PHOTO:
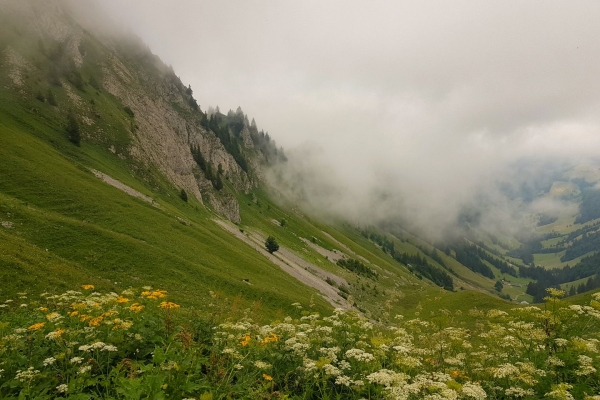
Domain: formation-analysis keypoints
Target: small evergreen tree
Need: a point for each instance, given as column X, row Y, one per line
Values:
column 218, row 183
column 128, row 111
column 40, row 96
column 572, row 291
column 183, row 195
column 271, row 245
column 72, row 129
column 51, row 99
column 94, row 83
column 499, row 286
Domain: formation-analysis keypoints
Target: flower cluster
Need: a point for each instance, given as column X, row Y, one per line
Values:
column 132, row 345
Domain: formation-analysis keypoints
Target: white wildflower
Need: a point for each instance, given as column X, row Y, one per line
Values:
column 344, row 365
column 504, row 370
column 359, row 355
column 585, row 367
column 560, row 342
column 331, row 370
column 262, row 365
column 386, row 377
column 84, row 369
column 109, row 347
column 63, row 388
column 309, row 365
column 343, row 380
column 555, row 361
column 473, row 390
column 49, row 361
column 496, row 313
column 85, row 347
column 518, row 392
column 27, row 375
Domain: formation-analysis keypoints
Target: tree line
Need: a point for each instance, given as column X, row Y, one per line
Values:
column 415, row 263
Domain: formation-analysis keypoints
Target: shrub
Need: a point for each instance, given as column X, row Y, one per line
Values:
column 72, row 129
column 183, row 195
column 271, row 245
column 51, row 99
column 128, row 111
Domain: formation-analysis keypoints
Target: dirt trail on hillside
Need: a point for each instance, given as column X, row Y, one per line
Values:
column 332, row 256
column 290, row 257
column 343, row 246
column 121, row 186
column 293, row 265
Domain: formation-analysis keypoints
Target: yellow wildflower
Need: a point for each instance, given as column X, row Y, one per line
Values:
column 245, row 340
column 87, row 287
column 136, row 307
column 78, row 306
column 96, row 321
column 271, row 338
column 53, row 316
column 122, row 299
column 167, row 305
column 268, row 377
column 37, row 326
column 154, row 294
column 43, row 308
column 55, row 334
column 120, row 324
column 109, row 313
column 73, row 313
column 84, row 317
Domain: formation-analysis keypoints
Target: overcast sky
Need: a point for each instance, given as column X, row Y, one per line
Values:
column 432, row 97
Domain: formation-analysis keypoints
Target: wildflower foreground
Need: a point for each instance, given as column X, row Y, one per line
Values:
column 85, row 345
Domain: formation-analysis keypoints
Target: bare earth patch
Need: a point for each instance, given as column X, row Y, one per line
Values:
column 331, row 255
column 6, row 224
column 343, row 246
column 287, row 261
column 121, row 186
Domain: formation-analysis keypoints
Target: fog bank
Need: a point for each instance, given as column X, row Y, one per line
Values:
column 395, row 108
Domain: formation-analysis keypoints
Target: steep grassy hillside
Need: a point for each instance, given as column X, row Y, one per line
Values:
column 56, row 211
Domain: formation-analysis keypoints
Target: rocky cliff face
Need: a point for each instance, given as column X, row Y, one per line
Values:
column 165, row 120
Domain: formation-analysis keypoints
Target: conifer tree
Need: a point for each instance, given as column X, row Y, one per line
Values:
column 73, row 133
column 271, row 245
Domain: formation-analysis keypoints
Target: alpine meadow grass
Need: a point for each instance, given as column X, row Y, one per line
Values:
column 137, row 344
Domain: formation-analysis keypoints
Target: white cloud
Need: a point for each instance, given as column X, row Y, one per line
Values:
column 430, row 101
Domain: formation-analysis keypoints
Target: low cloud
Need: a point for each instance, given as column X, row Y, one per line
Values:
column 396, row 108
